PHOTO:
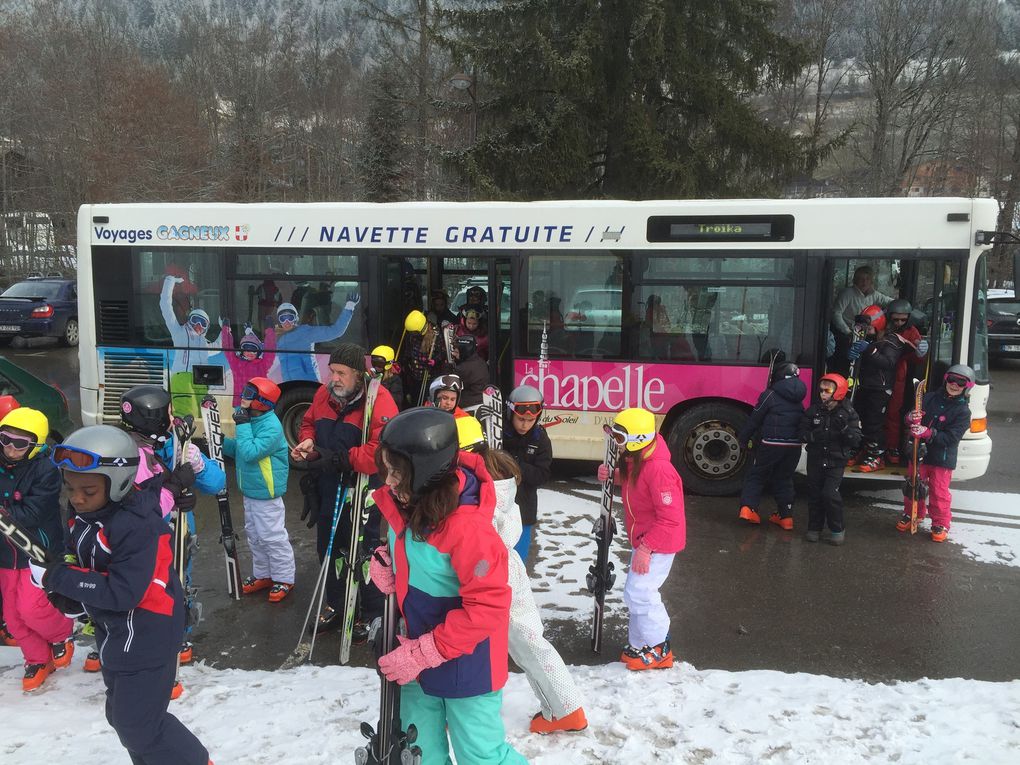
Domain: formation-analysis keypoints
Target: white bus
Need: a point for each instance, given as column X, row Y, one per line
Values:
column 677, row 306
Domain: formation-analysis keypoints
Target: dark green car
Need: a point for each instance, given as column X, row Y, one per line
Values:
column 32, row 392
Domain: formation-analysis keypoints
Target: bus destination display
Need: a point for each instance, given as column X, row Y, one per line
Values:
column 720, row 228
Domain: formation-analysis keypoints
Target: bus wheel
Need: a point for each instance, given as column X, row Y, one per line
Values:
column 291, row 408
column 705, row 451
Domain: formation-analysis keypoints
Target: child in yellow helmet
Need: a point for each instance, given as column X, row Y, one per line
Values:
column 653, row 503
column 30, row 494
column 383, row 357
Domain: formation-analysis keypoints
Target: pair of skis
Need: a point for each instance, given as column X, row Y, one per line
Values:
column 601, row 575
column 228, row 538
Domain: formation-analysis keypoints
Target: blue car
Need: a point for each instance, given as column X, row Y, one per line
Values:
column 40, row 307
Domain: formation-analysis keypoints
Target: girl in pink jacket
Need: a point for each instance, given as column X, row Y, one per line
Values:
column 653, row 505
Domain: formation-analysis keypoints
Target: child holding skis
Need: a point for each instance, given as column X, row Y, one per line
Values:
column 30, row 487
column 526, row 441
column 943, row 420
column 122, row 577
column 453, row 663
column 774, row 425
column 543, row 666
column 832, row 432
column 260, row 451
column 653, row 497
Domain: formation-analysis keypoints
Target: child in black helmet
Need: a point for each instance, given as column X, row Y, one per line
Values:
column 943, row 420
column 526, row 441
column 119, row 571
column 773, row 428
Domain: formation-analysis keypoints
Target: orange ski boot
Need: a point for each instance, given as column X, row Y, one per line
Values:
column 176, row 691
column 750, row 515
column 903, row 524
column 62, row 653
column 783, row 523
column 6, row 637
column 939, row 533
column 574, row 721
column 92, row 663
column 279, row 591
column 187, row 653
column 252, row 585
column 35, row 675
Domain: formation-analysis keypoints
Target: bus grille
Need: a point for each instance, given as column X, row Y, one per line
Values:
column 113, row 321
column 123, row 369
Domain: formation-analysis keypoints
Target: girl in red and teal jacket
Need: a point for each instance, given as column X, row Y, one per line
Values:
column 653, row 504
column 448, row 568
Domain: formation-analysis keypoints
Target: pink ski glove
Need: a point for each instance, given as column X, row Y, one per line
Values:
column 194, row 456
column 602, row 473
column 922, row 432
column 914, row 416
column 641, row 560
column 408, row 660
column 380, row 572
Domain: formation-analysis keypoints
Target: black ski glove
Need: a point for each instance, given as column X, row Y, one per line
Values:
column 309, row 484
column 181, row 477
column 241, row 416
column 330, row 461
column 65, row 605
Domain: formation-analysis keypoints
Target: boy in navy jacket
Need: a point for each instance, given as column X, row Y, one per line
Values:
column 118, row 570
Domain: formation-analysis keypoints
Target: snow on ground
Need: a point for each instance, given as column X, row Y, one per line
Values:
column 311, row 716
column 985, row 523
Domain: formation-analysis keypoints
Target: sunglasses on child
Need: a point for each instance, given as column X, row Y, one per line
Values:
column 15, row 441
column 526, row 409
column 82, row 460
column 957, row 380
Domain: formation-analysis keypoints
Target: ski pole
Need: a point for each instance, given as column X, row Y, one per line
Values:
column 341, row 496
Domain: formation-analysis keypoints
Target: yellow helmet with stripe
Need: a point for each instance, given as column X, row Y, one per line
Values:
column 382, row 357
column 633, row 428
column 29, row 421
column 469, row 433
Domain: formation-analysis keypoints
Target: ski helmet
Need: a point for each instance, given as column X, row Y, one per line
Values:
column 101, row 449
column 469, row 433
column 963, row 372
column 899, row 305
column 633, row 428
column 262, row 392
column 382, row 358
column 145, row 409
column 466, row 346
column 872, row 316
column 472, row 312
column 427, row 438
column 842, row 386
column 785, row 371
column 30, row 421
column 445, row 382
column 526, row 401
column 7, row 403
column 476, row 296
column 286, row 313
column 415, row 322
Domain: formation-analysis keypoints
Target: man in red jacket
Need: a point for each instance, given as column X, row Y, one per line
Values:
column 331, row 444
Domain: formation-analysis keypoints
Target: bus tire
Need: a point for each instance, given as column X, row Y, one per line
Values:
column 291, row 407
column 705, row 451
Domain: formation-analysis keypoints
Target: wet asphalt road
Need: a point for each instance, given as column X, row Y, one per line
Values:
column 882, row 607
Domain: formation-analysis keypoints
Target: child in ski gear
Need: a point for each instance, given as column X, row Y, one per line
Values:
column 531, row 651
column 120, row 572
column 7, row 403
column 444, row 393
column 449, row 572
column 943, row 420
column 260, row 451
column 330, row 442
column 421, row 358
column 472, row 322
column 251, row 357
column 528, row 443
column 30, row 488
column 832, row 432
column 382, row 365
column 472, row 370
column 774, row 429
column 653, row 501
column 913, row 351
column 879, row 353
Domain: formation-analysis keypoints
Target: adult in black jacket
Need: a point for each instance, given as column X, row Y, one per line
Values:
column 878, row 361
column 472, row 371
column 774, row 430
column 528, row 443
column 123, row 577
column 832, row 431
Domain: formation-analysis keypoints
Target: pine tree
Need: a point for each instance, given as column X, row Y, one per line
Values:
column 382, row 152
column 625, row 98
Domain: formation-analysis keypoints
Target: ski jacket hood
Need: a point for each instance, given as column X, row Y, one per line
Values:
column 776, row 417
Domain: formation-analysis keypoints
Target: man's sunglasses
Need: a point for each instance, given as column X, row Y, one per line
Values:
column 82, row 460
column 526, row 409
column 17, row 442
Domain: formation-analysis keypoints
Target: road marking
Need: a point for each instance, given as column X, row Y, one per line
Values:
column 964, row 516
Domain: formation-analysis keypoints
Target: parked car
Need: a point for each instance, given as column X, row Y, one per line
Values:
column 1003, row 327
column 40, row 307
column 594, row 306
column 30, row 391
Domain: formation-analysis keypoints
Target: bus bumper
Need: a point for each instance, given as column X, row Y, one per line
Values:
column 974, row 456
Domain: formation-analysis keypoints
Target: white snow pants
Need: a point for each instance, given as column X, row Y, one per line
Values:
column 272, row 557
column 545, row 670
column 649, row 622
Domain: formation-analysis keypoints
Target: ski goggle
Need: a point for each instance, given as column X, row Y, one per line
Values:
column 527, row 409
column 622, row 437
column 287, row 317
column 380, row 362
column 82, row 460
column 199, row 322
column 898, row 318
column 251, row 393
column 15, row 441
column 963, row 382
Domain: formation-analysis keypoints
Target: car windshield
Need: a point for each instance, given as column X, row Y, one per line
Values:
column 1010, row 307
column 42, row 290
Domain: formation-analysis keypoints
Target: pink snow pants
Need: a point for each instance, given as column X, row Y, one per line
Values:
column 939, row 497
column 30, row 617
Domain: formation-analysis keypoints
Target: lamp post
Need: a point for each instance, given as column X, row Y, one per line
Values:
column 469, row 83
